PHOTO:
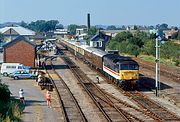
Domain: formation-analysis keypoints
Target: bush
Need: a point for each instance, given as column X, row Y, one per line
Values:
column 177, row 62
column 4, row 92
column 10, row 109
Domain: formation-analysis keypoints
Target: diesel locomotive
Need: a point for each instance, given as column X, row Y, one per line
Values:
column 123, row 70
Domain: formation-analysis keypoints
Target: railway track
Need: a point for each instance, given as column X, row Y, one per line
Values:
column 172, row 73
column 70, row 107
column 150, row 107
column 108, row 102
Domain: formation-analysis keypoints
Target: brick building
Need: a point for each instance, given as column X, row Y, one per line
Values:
column 20, row 50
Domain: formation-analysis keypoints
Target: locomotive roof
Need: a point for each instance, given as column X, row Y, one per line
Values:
column 117, row 58
column 93, row 50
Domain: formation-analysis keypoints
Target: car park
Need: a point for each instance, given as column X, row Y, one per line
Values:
column 22, row 75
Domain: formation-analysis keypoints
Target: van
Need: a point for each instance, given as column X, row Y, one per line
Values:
column 9, row 68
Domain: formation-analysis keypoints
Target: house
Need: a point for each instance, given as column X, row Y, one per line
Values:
column 19, row 50
column 12, row 32
column 99, row 41
column 169, row 33
column 61, row 33
column 81, row 33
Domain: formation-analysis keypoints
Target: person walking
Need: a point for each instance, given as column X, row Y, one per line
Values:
column 48, row 99
column 21, row 96
column 39, row 79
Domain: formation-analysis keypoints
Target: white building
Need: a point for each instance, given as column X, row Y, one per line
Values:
column 81, row 33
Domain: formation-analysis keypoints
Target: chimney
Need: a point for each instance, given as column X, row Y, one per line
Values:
column 88, row 21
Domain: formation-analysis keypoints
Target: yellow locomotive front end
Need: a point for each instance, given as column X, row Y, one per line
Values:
column 129, row 72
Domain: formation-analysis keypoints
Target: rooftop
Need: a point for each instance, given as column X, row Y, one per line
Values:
column 20, row 30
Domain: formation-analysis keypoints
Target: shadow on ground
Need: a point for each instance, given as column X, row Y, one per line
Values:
column 61, row 67
column 148, row 84
column 35, row 102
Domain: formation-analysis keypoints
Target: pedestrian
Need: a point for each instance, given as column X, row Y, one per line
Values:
column 21, row 96
column 39, row 79
column 48, row 99
column 97, row 77
column 36, row 74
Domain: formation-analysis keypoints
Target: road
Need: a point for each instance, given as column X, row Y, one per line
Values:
column 36, row 109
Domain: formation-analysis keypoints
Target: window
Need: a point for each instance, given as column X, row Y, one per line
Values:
column 11, row 67
column 99, row 44
column 20, row 67
column 129, row 67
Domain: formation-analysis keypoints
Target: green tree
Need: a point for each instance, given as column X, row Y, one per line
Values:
column 72, row 28
column 111, row 27
column 133, row 49
column 23, row 24
column 43, row 26
column 170, row 50
column 92, row 31
column 123, row 36
column 59, row 26
column 149, row 47
column 135, row 27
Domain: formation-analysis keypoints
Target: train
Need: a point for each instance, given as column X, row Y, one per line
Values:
column 122, row 70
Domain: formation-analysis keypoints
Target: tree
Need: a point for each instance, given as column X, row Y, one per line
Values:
column 111, row 27
column 72, row 28
column 23, row 24
column 135, row 27
column 92, row 31
column 123, row 36
column 59, row 26
column 149, row 47
column 163, row 26
column 43, row 26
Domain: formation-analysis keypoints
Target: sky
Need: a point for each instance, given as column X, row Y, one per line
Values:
column 103, row 12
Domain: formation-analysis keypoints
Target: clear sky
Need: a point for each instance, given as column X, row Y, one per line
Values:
column 104, row 12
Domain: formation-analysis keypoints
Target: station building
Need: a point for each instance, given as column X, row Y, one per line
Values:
column 20, row 50
column 13, row 31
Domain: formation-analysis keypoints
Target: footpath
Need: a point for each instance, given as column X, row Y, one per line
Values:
column 36, row 109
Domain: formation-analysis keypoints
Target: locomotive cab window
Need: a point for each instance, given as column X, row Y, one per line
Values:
column 129, row 67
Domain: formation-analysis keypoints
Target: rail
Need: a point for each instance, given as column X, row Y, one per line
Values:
column 70, row 107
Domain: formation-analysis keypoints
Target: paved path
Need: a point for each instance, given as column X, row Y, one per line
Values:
column 36, row 109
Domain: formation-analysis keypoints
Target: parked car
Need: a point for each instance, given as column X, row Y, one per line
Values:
column 9, row 68
column 22, row 75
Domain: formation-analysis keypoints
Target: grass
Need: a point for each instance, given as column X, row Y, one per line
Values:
column 161, row 60
column 151, row 58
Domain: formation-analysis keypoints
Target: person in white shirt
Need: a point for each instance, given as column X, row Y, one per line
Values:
column 21, row 96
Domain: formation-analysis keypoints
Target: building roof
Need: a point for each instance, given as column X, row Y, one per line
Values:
column 19, row 38
column 19, row 30
column 100, row 35
column 39, row 36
